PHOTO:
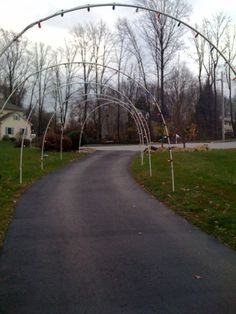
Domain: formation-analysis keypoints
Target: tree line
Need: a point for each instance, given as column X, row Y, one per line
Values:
column 140, row 61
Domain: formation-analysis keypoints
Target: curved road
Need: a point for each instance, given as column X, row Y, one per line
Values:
column 88, row 239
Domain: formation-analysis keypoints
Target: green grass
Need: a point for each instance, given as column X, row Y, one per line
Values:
column 10, row 189
column 205, row 188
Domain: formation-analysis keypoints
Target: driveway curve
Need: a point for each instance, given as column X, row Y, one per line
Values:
column 88, row 239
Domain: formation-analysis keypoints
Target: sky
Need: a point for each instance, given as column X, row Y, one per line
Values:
column 16, row 14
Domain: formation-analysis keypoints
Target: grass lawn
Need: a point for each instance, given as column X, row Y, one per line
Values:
column 10, row 189
column 205, row 188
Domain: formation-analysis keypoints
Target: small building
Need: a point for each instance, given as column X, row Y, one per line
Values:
column 13, row 122
column 228, row 128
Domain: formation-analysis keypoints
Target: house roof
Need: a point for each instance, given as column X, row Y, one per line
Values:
column 5, row 116
column 10, row 107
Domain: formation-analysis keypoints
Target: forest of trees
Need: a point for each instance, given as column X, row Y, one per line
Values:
column 134, row 61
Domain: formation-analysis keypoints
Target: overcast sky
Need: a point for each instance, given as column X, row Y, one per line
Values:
column 16, row 14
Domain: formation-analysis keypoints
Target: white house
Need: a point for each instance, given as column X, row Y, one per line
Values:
column 13, row 122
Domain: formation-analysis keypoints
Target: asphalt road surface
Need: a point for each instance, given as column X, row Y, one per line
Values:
column 88, row 239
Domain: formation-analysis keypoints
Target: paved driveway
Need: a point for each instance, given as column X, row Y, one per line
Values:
column 88, row 239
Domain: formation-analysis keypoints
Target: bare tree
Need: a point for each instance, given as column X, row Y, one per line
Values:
column 215, row 30
column 64, row 79
column 83, row 46
column 121, row 57
column 230, row 52
column 209, row 63
column 14, row 66
column 41, row 59
column 102, row 46
column 136, row 49
column 182, row 97
column 200, row 45
column 94, row 45
column 163, row 36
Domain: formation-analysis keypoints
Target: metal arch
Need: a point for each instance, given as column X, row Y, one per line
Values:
column 50, row 120
column 136, row 122
column 131, row 106
column 93, row 64
column 105, row 85
column 149, row 148
column 142, row 125
column 126, row 75
column 123, row 95
column 113, row 89
column 62, row 12
column 120, row 104
column 59, row 86
column 110, row 103
column 44, row 138
column 22, row 146
column 107, row 97
column 82, row 129
column 141, row 139
column 113, row 5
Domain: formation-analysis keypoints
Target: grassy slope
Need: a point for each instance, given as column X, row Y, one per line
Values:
column 205, row 188
column 10, row 188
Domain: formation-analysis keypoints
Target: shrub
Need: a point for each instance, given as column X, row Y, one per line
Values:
column 53, row 140
column 74, row 136
column 66, row 143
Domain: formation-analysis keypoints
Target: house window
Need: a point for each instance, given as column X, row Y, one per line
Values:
column 16, row 117
column 22, row 131
column 9, row 131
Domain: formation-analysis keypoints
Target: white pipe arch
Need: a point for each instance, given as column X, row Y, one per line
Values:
column 126, row 75
column 107, row 97
column 104, row 105
column 113, row 5
column 111, row 88
column 137, row 118
column 133, row 116
column 131, row 105
column 50, row 120
column 44, row 139
column 141, row 139
column 110, row 68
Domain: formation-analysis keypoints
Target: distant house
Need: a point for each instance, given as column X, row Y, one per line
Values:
column 228, row 125
column 13, row 122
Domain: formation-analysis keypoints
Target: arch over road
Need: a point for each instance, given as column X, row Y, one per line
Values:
column 141, row 124
column 113, row 5
column 136, row 120
column 116, row 71
column 139, row 116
